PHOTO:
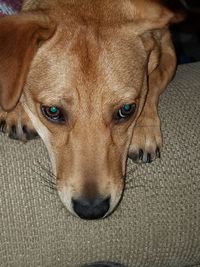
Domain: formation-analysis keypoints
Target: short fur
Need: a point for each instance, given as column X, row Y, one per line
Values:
column 90, row 57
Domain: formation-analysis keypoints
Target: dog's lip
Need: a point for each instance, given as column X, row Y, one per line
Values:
column 66, row 201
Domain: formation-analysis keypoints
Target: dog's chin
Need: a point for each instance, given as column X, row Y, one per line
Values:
column 66, row 197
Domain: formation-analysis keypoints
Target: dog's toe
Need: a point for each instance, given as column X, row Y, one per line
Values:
column 142, row 156
column 21, row 133
column 17, row 125
column 13, row 134
column 146, row 143
column 29, row 133
column 2, row 126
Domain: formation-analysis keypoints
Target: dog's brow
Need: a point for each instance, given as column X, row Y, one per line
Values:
column 125, row 92
column 49, row 96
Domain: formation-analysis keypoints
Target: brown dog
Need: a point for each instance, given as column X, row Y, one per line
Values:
column 87, row 75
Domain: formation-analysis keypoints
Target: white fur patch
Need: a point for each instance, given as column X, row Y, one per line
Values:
column 66, row 198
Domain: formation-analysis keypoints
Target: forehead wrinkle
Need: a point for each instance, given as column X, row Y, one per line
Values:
column 56, row 76
column 117, row 91
column 49, row 96
column 124, row 92
column 86, row 48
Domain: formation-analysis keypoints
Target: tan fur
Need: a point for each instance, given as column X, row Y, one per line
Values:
column 95, row 57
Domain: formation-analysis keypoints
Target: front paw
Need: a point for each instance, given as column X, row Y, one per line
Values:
column 17, row 125
column 146, row 144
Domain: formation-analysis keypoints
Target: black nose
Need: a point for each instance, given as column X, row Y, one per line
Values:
column 91, row 209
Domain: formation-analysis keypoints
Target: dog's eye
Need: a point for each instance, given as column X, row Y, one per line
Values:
column 53, row 114
column 125, row 112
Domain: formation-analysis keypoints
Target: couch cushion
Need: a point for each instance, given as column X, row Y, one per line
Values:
column 157, row 222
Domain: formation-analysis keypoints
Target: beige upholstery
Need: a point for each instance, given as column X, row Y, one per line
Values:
column 157, row 223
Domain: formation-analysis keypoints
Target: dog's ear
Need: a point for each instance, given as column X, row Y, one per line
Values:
column 153, row 14
column 20, row 36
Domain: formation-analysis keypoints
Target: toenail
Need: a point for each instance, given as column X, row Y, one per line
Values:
column 148, row 158
column 141, row 154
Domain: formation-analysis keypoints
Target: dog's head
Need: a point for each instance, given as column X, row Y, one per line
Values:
column 81, row 73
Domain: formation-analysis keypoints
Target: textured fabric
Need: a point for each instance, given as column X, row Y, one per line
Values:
column 157, row 223
column 9, row 7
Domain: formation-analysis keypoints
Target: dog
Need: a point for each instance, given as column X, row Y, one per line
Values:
column 86, row 75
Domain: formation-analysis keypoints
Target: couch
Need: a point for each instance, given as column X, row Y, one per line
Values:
column 157, row 223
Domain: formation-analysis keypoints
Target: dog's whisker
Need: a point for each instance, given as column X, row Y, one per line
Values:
column 50, row 187
column 45, row 179
column 40, row 164
column 48, row 171
column 47, row 186
column 43, row 167
column 53, row 186
column 48, row 191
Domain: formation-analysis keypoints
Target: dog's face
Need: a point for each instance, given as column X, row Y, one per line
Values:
column 84, row 101
column 84, row 91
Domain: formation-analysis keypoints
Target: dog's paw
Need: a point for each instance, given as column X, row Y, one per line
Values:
column 17, row 125
column 146, row 144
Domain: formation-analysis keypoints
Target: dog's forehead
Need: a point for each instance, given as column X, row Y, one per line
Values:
column 94, row 61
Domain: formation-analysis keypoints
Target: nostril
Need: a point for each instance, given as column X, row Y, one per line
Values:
column 91, row 209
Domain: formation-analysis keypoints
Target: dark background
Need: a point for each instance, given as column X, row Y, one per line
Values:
column 186, row 35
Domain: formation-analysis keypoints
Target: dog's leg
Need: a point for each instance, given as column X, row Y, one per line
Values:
column 147, row 139
column 17, row 124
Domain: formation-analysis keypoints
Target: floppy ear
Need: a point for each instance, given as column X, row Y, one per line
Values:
column 152, row 14
column 20, row 36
